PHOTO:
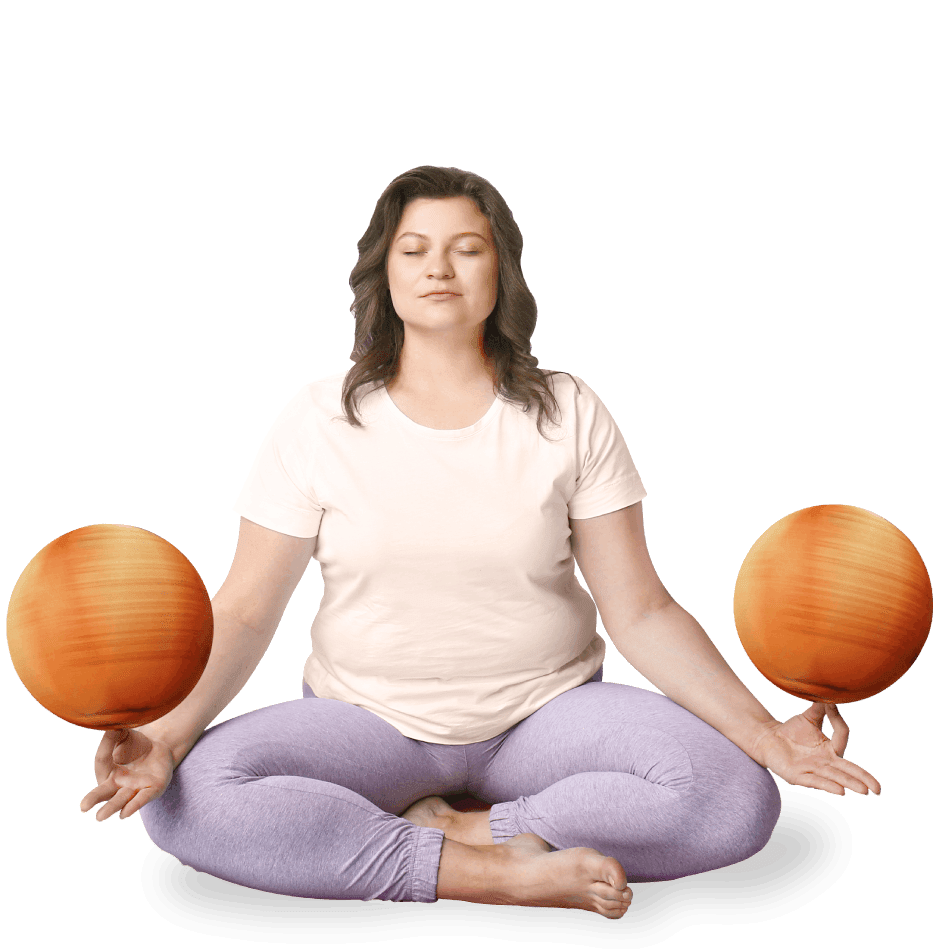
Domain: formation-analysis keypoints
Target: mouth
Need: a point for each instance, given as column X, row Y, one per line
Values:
column 441, row 296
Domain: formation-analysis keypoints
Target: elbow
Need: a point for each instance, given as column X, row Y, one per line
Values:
column 621, row 625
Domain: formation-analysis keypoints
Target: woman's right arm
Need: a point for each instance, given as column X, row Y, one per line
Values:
column 131, row 768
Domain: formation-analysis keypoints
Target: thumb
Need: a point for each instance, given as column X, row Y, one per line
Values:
column 815, row 714
column 840, row 730
column 119, row 754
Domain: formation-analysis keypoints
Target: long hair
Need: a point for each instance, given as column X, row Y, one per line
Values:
column 507, row 330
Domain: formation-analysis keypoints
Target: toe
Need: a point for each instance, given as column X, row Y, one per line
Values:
column 612, row 909
column 604, row 891
column 611, row 871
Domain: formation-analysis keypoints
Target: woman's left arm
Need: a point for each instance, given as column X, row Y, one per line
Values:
column 673, row 652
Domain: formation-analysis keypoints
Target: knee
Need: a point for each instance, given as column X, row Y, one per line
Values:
column 176, row 821
column 747, row 816
column 157, row 819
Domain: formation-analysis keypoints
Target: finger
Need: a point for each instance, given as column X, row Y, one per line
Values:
column 119, row 754
column 840, row 729
column 861, row 781
column 103, row 759
column 127, row 748
column 142, row 797
column 113, row 806
column 102, row 792
column 820, row 783
column 845, row 779
column 837, row 777
column 815, row 714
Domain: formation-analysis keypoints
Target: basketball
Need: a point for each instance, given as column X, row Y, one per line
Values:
column 833, row 603
column 109, row 626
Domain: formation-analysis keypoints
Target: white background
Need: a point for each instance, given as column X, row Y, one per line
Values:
column 726, row 210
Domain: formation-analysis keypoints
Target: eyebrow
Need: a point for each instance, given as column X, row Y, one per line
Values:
column 424, row 237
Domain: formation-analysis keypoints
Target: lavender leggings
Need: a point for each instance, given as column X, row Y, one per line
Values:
column 303, row 797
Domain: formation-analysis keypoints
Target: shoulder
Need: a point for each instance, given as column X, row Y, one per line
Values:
column 322, row 395
column 323, row 399
column 564, row 384
column 572, row 392
column 309, row 401
column 594, row 420
column 329, row 386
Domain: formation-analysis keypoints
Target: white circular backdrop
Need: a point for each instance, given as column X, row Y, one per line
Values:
column 715, row 244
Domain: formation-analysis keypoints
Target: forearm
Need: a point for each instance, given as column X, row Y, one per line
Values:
column 672, row 651
column 235, row 652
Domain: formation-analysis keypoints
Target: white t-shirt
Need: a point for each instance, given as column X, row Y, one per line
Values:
column 450, row 607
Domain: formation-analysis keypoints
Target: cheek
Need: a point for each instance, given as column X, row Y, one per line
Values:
column 397, row 278
column 492, row 282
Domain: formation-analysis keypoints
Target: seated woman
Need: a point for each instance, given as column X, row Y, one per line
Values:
column 454, row 651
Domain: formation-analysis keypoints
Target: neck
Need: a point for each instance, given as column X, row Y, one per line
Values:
column 444, row 374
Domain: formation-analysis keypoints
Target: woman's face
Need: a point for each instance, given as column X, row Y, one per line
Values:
column 443, row 244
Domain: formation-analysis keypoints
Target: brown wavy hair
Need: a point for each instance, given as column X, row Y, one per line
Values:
column 507, row 330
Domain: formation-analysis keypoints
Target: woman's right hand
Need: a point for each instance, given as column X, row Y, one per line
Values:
column 132, row 769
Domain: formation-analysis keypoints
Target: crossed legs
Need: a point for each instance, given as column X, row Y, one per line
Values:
column 613, row 783
column 626, row 772
column 634, row 775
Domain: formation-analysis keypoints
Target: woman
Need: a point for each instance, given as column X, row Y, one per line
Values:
column 454, row 651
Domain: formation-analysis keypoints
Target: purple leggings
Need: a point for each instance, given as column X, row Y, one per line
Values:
column 302, row 798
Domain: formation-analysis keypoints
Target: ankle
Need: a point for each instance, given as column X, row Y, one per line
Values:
column 471, row 827
column 474, row 873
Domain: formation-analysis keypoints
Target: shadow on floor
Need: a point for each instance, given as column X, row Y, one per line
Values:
column 810, row 844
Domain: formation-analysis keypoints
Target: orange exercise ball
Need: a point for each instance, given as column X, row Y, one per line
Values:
column 109, row 626
column 833, row 603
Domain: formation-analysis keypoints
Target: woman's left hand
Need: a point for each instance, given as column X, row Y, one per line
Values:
column 800, row 753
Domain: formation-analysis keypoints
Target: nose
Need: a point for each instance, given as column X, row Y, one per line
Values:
column 440, row 266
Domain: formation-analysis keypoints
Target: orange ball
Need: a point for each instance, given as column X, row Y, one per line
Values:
column 109, row 626
column 833, row 603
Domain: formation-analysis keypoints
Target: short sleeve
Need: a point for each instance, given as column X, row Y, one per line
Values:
column 606, row 477
column 279, row 491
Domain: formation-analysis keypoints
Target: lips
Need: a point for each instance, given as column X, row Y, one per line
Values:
column 442, row 293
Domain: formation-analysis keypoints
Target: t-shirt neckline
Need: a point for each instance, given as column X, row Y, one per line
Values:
column 443, row 434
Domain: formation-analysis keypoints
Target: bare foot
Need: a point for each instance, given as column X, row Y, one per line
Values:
column 468, row 827
column 524, row 871
column 578, row 878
